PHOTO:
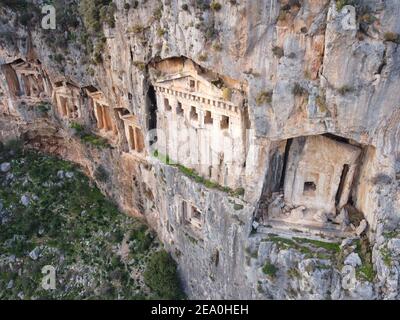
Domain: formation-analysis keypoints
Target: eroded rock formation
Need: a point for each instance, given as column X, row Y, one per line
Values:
column 254, row 138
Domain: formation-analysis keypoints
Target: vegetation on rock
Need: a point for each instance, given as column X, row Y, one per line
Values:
column 52, row 214
column 161, row 276
column 191, row 173
column 264, row 97
column 270, row 270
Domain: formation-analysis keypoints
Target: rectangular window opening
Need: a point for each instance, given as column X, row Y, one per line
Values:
column 224, row 122
column 193, row 114
column 207, row 118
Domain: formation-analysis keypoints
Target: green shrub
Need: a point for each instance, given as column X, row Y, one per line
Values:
column 298, row 90
column 345, row 90
column 142, row 238
column 366, row 270
column 278, row 52
column 157, row 13
column 44, row 107
column 135, row 4
column 15, row 145
column 264, row 97
column 320, row 101
column 227, row 94
column 161, row 32
column 79, row 128
column 216, row 6
column 191, row 173
column 96, row 12
column 137, row 28
column 94, row 140
column 217, row 46
column 98, row 50
column 107, row 15
column 140, row 65
column 270, row 270
column 341, row 3
column 203, row 57
column 209, row 30
column 101, row 174
column 161, row 276
column 59, row 58
column 282, row 15
column 392, row 37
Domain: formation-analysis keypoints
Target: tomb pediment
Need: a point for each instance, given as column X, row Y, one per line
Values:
column 191, row 82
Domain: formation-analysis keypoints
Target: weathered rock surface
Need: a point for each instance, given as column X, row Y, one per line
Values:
column 325, row 72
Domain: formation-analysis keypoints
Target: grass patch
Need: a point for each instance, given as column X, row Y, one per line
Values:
column 95, row 140
column 366, row 270
column 191, row 173
column 331, row 246
column 386, row 256
column 310, row 248
column 79, row 128
column 88, row 137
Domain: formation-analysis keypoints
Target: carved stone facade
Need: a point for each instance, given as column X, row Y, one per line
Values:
column 68, row 99
column 106, row 125
column 27, row 82
column 320, row 173
column 201, row 124
column 133, row 133
column 318, row 179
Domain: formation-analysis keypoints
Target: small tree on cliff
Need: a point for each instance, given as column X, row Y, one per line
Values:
column 162, row 277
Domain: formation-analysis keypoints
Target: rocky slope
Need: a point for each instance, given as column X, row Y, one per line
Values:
column 52, row 215
column 308, row 68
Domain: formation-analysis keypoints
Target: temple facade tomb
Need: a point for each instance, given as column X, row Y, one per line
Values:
column 316, row 185
column 133, row 133
column 68, row 99
column 200, row 125
column 27, row 81
column 106, row 125
column 320, row 173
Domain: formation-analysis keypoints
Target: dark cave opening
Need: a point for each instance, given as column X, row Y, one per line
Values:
column 285, row 159
column 152, row 114
column 345, row 171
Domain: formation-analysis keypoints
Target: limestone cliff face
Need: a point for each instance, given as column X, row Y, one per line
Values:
column 302, row 68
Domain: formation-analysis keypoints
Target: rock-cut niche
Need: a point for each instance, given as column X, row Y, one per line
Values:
column 310, row 184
